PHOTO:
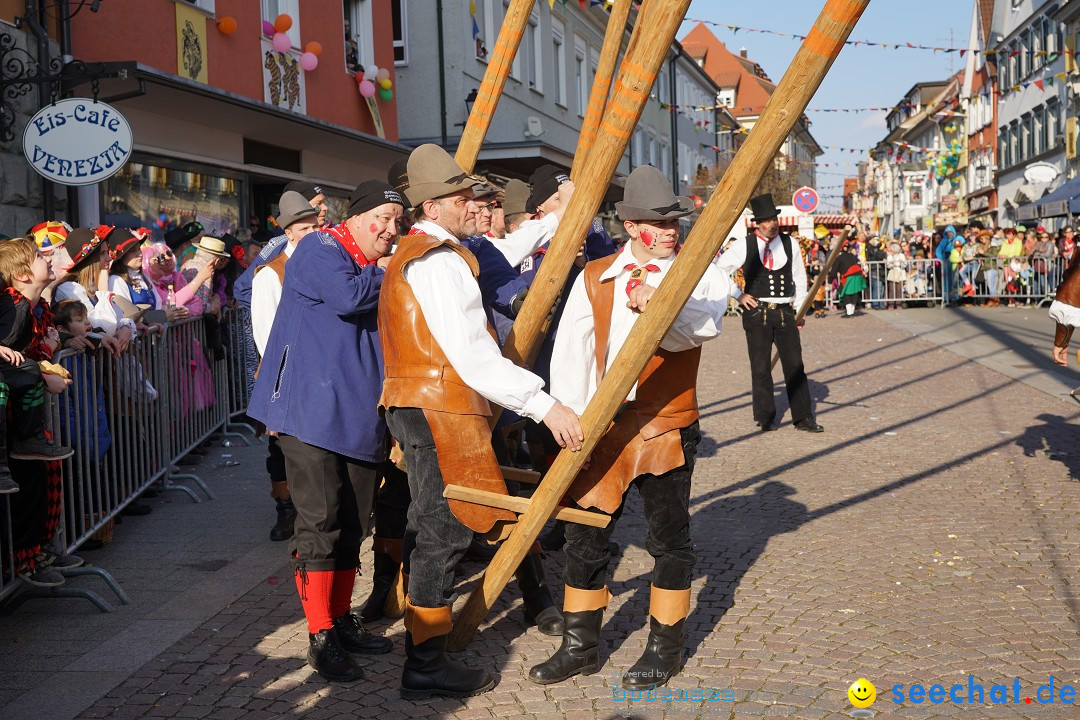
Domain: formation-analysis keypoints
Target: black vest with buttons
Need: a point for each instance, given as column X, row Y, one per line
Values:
column 762, row 282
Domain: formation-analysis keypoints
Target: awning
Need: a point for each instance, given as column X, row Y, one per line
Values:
column 1063, row 201
column 791, row 221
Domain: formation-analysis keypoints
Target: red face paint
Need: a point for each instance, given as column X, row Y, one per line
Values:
column 373, row 228
column 647, row 238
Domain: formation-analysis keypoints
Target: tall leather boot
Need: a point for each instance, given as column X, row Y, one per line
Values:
column 663, row 656
column 540, row 609
column 286, row 516
column 579, row 654
column 385, row 568
column 427, row 671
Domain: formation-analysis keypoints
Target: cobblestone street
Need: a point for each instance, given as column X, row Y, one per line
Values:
column 931, row 533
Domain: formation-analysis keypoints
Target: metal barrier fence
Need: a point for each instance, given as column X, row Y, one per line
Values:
column 129, row 420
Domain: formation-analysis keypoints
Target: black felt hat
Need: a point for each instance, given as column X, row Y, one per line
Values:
column 183, row 233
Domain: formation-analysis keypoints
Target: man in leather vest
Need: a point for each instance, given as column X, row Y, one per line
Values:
column 653, row 440
column 1065, row 311
column 443, row 368
column 772, row 264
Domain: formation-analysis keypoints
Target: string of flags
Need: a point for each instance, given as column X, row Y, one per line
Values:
column 989, row 52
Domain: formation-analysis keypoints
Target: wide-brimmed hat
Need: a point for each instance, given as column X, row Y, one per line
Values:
column 214, row 246
column 434, row 174
column 483, row 188
column 516, row 198
column 293, row 207
column 84, row 246
column 121, row 242
column 762, row 207
column 181, row 234
column 398, row 175
column 648, row 196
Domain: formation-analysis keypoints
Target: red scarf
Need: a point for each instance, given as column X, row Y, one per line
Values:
column 41, row 319
column 342, row 235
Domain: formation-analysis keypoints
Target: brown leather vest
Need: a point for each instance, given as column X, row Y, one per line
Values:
column 277, row 265
column 418, row 375
column 1068, row 291
column 667, row 388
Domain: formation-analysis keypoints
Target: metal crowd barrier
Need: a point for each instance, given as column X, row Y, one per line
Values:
column 129, row 420
column 923, row 285
column 241, row 360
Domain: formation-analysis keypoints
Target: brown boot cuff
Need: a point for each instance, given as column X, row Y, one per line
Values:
column 578, row 600
column 280, row 490
column 668, row 606
column 388, row 546
column 424, row 623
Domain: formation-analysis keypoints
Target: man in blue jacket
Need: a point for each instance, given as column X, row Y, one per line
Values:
column 318, row 388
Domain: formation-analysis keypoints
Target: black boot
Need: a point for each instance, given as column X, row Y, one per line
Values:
column 329, row 659
column 540, row 609
column 663, row 656
column 286, row 515
column 354, row 638
column 427, row 671
column 580, row 650
column 385, row 572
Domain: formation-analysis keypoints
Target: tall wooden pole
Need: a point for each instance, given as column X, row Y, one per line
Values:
column 487, row 97
column 632, row 87
column 609, row 54
column 788, row 103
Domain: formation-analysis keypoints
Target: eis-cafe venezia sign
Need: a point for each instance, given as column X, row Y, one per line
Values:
column 77, row 141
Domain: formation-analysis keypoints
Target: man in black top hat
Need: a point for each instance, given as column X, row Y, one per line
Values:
column 775, row 275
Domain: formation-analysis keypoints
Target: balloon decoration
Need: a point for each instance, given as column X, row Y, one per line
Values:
column 268, row 28
column 282, row 23
column 227, row 25
column 309, row 61
column 386, row 94
column 281, row 42
column 383, row 74
column 314, row 48
column 367, row 88
column 385, row 84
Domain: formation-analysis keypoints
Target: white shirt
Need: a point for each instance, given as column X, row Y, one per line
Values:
column 573, row 358
column 527, row 239
column 265, row 298
column 450, row 299
column 103, row 314
column 735, row 257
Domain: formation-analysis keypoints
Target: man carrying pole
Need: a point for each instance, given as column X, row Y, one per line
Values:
column 772, row 264
column 653, row 440
column 443, row 368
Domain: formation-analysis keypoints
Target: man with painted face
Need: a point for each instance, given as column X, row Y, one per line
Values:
column 772, row 264
column 653, row 440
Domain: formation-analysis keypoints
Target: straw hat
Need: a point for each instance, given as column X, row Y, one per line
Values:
column 214, row 246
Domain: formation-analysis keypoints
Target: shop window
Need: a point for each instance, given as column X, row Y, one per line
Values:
column 272, row 8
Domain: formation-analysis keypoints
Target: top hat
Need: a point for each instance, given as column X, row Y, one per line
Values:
column 181, row 234
column 293, row 207
column 434, row 174
column 516, row 198
column 648, row 196
column 763, row 208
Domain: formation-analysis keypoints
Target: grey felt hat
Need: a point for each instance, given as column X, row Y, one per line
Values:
column 433, row 174
column 292, row 207
column 648, row 196
column 517, row 198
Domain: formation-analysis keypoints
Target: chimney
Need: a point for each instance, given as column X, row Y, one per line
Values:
column 742, row 53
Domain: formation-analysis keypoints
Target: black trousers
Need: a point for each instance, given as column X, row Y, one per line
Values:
column 275, row 461
column 666, row 501
column 765, row 327
column 333, row 495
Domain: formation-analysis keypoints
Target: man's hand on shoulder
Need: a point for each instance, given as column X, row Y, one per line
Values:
column 565, row 426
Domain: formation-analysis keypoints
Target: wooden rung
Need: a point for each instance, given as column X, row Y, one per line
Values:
column 520, row 505
column 529, row 477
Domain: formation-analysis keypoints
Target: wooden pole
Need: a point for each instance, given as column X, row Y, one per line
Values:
column 788, row 103
column 834, row 253
column 609, row 54
column 491, row 89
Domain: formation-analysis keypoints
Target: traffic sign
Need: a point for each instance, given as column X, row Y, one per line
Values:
column 805, row 199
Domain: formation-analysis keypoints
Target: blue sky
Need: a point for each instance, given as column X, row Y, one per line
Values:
column 862, row 76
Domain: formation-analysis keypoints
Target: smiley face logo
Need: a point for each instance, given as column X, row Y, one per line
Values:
column 862, row 693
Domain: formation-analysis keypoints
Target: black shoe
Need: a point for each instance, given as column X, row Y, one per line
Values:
column 382, row 582
column 42, row 577
column 136, row 508
column 428, row 672
column 7, row 483
column 286, row 515
column 480, row 550
column 809, row 426
column 38, row 448
column 355, row 639
column 555, row 538
column 662, row 658
column 579, row 653
column 540, row 607
column 330, row 660
column 769, row 426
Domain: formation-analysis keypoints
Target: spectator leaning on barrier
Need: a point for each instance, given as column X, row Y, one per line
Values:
column 896, row 274
column 87, row 280
column 159, row 266
column 876, row 257
column 297, row 219
column 50, row 238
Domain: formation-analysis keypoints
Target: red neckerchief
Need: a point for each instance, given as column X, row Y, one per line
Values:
column 342, row 235
column 41, row 319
